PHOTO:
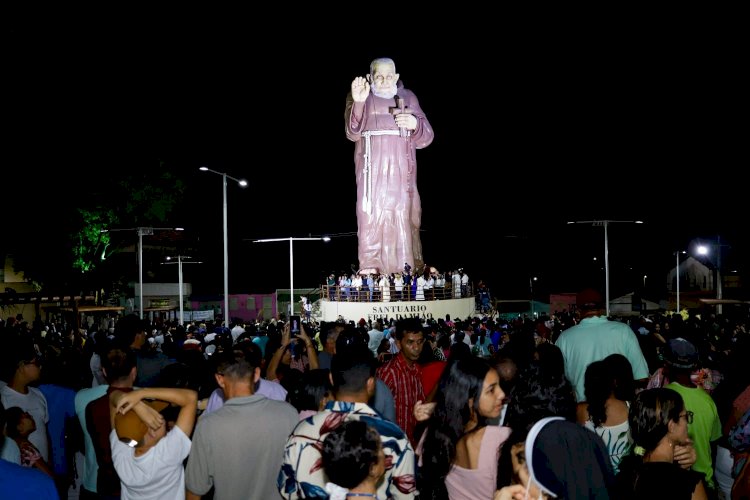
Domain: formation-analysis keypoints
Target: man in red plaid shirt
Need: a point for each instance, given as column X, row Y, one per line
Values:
column 402, row 374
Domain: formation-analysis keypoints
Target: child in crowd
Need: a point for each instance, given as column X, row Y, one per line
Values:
column 19, row 424
column 353, row 460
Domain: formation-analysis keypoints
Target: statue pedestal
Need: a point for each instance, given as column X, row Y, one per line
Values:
column 331, row 310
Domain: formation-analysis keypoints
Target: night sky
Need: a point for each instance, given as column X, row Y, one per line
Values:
column 527, row 137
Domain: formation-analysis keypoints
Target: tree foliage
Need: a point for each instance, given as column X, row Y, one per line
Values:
column 67, row 250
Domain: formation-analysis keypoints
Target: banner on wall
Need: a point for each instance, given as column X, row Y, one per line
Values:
column 433, row 309
column 199, row 315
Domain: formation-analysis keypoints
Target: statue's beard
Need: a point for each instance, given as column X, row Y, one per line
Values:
column 385, row 92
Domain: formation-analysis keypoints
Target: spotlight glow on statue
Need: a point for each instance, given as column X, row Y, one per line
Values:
column 387, row 126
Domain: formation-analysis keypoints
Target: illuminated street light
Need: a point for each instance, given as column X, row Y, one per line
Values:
column 142, row 231
column 605, row 224
column 704, row 250
column 291, row 240
column 677, row 276
column 242, row 183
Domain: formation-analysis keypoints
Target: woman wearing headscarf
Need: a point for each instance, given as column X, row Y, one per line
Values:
column 559, row 459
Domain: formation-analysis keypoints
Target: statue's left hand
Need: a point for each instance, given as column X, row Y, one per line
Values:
column 406, row 120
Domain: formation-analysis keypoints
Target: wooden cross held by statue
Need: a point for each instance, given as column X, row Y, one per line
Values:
column 401, row 108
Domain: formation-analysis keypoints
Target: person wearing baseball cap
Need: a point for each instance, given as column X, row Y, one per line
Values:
column 681, row 359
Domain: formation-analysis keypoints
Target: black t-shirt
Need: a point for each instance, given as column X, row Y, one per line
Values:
column 656, row 480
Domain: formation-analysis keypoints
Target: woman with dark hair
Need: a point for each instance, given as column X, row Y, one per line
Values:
column 353, row 460
column 658, row 422
column 539, row 392
column 311, row 392
column 459, row 451
column 550, row 357
column 609, row 389
column 424, row 409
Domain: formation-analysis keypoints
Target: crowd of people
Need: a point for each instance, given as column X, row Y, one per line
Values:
column 564, row 406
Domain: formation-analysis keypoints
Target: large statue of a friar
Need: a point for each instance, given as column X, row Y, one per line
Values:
column 387, row 125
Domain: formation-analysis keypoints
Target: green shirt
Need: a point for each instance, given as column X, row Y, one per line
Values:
column 705, row 428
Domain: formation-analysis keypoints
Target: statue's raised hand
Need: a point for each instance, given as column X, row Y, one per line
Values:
column 360, row 89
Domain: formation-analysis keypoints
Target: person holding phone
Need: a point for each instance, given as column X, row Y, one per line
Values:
column 295, row 352
column 294, row 322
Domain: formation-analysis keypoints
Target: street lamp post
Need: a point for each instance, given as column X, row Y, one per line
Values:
column 179, row 263
column 677, row 276
column 605, row 224
column 147, row 231
column 531, row 292
column 291, row 241
column 142, row 231
column 242, row 183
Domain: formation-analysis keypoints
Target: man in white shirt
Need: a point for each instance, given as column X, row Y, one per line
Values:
column 26, row 369
column 464, row 284
column 376, row 335
column 237, row 330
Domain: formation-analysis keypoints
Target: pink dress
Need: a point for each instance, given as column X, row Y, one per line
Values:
column 479, row 483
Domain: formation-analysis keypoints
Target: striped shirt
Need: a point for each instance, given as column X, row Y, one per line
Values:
column 405, row 382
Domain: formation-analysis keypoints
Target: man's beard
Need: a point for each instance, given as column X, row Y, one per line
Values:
column 385, row 92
